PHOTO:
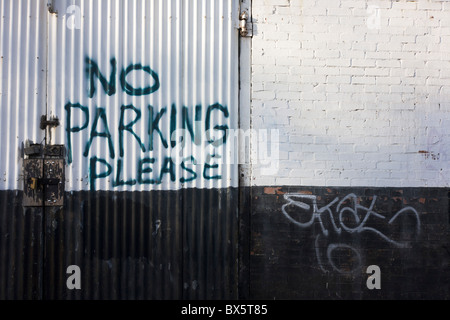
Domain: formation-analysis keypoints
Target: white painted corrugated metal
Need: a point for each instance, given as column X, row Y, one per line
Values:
column 163, row 64
column 122, row 75
column 23, row 33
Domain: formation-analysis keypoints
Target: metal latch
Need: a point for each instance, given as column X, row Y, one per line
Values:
column 44, row 176
column 245, row 26
column 34, row 182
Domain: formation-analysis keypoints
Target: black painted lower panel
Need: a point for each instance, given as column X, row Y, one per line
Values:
column 128, row 245
column 317, row 243
column 247, row 243
column 21, row 248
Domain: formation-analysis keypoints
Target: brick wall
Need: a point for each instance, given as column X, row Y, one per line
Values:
column 359, row 91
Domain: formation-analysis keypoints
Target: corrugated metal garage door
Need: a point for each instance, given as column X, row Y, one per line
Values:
column 142, row 217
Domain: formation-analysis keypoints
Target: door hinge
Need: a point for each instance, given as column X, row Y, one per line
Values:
column 245, row 24
column 48, row 123
column 43, row 175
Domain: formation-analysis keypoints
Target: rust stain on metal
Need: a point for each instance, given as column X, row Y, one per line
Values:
column 33, row 193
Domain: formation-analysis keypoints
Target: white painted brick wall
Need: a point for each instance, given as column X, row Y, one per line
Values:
column 358, row 89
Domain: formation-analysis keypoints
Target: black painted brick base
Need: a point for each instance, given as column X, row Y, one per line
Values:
column 289, row 260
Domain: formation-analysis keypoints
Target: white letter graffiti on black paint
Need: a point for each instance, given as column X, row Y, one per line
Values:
column 343, row 216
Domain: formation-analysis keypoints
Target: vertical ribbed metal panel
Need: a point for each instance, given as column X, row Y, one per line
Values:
column 127, row 245
column 210, row 244
column 153, row 227
column 166, row 239
column 23, row 33
column 21, row 248
column 184, row 51
column 144, row 245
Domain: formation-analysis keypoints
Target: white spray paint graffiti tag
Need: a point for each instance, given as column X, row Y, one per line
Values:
column 359, row 215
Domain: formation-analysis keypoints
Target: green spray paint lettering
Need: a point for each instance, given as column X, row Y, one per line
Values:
column 93, row 71
column 145, row 129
